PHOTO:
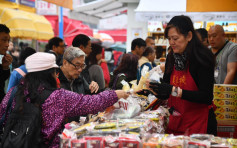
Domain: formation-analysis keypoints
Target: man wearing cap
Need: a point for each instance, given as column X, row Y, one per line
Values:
column 56, row 46
column 6, row 60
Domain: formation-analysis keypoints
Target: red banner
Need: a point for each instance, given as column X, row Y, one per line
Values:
column 63, row 3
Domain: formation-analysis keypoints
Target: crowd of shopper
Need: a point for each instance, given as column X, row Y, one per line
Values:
column 81, row 85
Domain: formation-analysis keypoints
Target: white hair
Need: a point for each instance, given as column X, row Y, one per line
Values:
column 72, row 53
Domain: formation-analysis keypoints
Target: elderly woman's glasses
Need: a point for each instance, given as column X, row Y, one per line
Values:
column 82, row 66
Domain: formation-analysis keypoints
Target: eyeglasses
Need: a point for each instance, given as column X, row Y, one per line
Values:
column 82, row 66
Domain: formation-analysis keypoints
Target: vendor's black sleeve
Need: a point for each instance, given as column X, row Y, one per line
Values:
column 204, row 78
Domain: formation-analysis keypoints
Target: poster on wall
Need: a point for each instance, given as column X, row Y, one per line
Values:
column 30, row 3
column 136, row 33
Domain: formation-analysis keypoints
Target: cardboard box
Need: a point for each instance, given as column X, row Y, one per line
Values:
column 225, row 102
column 226, row 116
column 226, row 109
column 225, row 88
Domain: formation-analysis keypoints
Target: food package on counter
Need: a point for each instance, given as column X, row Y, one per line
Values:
column 172, row 141
column 94, row 141
column 152, row 127
column 111, row 142
column 129, row 140
column 126, row 86
column 104, row 132
column 225, row 102
column 78, row 143
column 225, row 88
column 84, row 128
column 153, row 140
column 106, row 125
column 225, row 95
column 201, row 137
column 199, row 144
column 226, row 109
column 64, row 142
column 142, row 82
column 232, row 142
column 226, row 116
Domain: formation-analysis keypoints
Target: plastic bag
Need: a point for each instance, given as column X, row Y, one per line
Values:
column 155, row 74
column 128, row 109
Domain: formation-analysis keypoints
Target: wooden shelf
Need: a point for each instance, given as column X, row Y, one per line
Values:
column 160, row 44
column 157, row 32
column 231, row 32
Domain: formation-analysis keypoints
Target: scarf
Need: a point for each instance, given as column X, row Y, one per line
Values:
column 180, row 61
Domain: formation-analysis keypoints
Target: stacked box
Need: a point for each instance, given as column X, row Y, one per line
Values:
column 225, row 99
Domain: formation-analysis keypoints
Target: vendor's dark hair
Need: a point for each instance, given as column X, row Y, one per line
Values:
column 4, row 28
column 147, row 51
column 196, row 51
column 128, row 65
column 24, row 54
column 34, row 83
column 96, row 49
column 80, row 39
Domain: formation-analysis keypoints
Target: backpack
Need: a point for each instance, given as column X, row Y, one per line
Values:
column 23, row 129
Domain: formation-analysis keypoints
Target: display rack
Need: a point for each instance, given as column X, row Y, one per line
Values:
column 160, row 40
column 231, row 36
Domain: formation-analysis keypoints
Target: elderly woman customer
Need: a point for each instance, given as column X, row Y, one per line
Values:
column 60, row 103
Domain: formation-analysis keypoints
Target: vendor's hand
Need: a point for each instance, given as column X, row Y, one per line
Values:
column 122, row 94
column 94, row 87
column 144, row 92
column 163, row 90
column 6, row 61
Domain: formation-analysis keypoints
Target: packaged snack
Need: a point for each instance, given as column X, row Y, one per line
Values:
column 226, row 109
column 225, row 95
column 126, row 86
column 225, row 102
column 107, row 125
column 64, row 142
column 111, row 142
column 82, row 129
column 94, row 142
column 226, row 116
column 78, row 143
column 225, row 88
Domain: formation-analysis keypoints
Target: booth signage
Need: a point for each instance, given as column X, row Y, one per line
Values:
column 195, row 16
column 63, row 3
column 12, row 1
column 45, row 8
column 30, row 3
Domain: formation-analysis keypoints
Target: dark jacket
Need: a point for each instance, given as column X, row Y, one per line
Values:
column 59, row 58
column 79, row 85
column 4, row 75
